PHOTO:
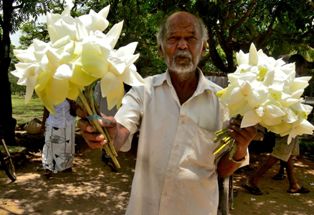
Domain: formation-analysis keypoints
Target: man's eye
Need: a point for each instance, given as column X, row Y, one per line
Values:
column 171, row 40
column 192, row 39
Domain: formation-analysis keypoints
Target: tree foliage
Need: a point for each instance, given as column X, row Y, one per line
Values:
column 12, row 13
column 278, row 27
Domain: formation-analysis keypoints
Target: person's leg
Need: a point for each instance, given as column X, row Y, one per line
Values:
column 252, row 184
column 47, row 153
column 294, row 186
column 283, row 165
column 64, row 148
column 281, row 173
column 254, row 179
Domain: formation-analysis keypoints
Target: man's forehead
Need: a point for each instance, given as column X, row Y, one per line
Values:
column 182, row 21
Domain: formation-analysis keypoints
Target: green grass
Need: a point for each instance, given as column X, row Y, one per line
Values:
column 25, row 112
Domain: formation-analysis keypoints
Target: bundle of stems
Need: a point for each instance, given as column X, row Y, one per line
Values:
column 87, row 103
column 225, row 140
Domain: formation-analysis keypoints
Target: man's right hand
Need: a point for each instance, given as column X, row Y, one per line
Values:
column 94, row 138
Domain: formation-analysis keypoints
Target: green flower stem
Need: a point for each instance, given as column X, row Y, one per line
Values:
column 233, row 150
column 223, row 137
column 108, row 149
column 110, row 143
column 90, row 96
column 92, row 103
column 221, row 131
column 220, row 148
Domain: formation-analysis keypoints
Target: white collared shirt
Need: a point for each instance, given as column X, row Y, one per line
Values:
column 175, row 170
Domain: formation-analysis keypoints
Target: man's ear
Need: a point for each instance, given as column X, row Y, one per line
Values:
column 205, row 46
column 160, row 51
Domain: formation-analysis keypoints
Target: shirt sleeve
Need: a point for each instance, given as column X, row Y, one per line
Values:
column 130, row 113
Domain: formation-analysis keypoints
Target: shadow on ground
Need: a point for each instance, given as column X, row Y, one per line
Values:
column 276, row 200
column 90, row 189
column 93, row 189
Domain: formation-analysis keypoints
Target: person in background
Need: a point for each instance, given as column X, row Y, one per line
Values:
column 281, row 151
column 59, row 148
column 177, row 114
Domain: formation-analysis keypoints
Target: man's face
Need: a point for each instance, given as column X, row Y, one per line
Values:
column 182, row 47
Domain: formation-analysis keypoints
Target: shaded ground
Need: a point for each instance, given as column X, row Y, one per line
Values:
column 93, row 189
column 90, row 189
column 276, row 200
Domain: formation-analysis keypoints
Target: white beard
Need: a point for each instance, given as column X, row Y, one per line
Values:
column 182, row 69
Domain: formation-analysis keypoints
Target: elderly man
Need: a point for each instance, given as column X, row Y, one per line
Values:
column 177, row 114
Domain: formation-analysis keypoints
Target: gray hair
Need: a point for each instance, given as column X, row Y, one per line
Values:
column 163, row 29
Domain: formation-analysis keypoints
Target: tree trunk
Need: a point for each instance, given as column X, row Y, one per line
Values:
column 7, row 122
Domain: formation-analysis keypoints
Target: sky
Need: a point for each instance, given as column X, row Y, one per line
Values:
column 15, row 38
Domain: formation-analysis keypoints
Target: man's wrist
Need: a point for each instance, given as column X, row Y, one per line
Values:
column 236, row 160
column 240, row 153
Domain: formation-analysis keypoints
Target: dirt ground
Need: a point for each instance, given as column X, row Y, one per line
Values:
column 93, row 189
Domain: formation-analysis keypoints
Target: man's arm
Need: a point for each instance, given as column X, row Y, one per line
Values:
column 243, row 137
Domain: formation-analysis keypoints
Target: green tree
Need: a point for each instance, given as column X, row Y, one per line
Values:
column 7, row 123
column 32, row 30
column 12, row 13
column 279, row 27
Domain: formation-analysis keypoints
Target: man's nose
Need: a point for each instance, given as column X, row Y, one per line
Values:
column 183, row 44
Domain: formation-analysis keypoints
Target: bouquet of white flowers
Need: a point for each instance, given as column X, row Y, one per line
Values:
column 266, row 92
column 78, row 55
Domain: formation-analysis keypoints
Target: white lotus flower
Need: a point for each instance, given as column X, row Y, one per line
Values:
column 29, row 67
column 122, row 69
column 78, row 28
column 265, row 91
column 79, row 54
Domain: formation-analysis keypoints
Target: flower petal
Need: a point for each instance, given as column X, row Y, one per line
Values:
column 131, row 77
column 53, row 93
column 95, row 21
column 112, row 88
column 81, row 77
column 114, row 34
column 253, row 57
column 250, row 118
column 94, row 59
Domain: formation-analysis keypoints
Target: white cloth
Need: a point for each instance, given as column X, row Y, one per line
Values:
column 175, row 170
column 61, row 116
column 59, row 148
column 102, row 102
